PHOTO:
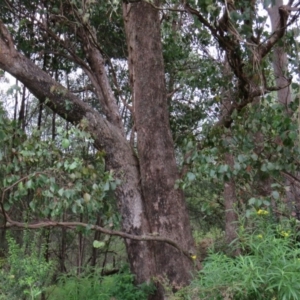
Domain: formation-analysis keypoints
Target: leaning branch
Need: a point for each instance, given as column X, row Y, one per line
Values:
column 58, row 98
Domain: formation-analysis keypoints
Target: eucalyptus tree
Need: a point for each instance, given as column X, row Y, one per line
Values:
column 149, row 203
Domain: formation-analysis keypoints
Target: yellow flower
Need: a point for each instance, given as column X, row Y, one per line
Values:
column 193, row 257
column 284, row 233
column 260, row 236
column 262, row 212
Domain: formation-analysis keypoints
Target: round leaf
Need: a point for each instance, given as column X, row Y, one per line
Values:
column 65, row 143
column 98, row 244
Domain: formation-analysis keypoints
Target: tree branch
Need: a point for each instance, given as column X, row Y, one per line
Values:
column 58, row 98
column 119, row 158
column 195, row 12
column 46, row 224
column 284, row 12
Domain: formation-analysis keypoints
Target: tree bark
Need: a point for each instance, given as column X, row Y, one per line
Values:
column 280, row 61
column 147, row 200
column 230, row 203
column 280, row 65
column 21, row 120
column 229, row 191
column 165, row 206
column 120, row 158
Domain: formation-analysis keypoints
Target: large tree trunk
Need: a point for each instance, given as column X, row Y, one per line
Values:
column 147, row 199
column 229, row 191
column 119, row 156
column 165, row 206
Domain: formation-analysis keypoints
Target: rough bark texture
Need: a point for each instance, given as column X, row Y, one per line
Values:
column 230, row 202
column 119, row 156
column 280, row 65
column 229, row 194
column 97, row 65
column 147, row 199
column 280, row 61
column 165, row 206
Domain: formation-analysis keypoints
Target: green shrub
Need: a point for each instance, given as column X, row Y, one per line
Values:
column 269, row 267
column 93, row 286
column 25, row 274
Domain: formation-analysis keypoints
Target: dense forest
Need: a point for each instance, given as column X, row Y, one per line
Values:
column 149, row 149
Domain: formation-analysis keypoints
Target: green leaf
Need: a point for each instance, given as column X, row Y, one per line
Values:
column 275, row 195
column 29, row 184
column 61, row 192
column 6, row 206
column 65, row 143
column 32, row 205
column 191, row 176
column 74, row 208
column 86, row 197
column 223, row 168
column 254, row 156
column 235, row 16
column 248, row 213
column 264, row 168
column 68, row 193
column 212, row 173
column 237, row 166
column 98, row 244
column 293, row 135
column 241, row 158
column 73, row 165
column 106, row 187
column 20, row 186
column 252, row 201
column 113, row 185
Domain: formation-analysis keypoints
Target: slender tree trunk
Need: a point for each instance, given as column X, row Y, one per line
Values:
column 230, row 203
column 229, row 192
column 47, row 231
column 80, row 250
column 39, row 122
column 53, row 131
column 16, row 101
column 280, row 65
column 165, row 206
column 46, row 241
column 105, row 256
column 63, row 244
column 97, row 236
column 280, row 61
column 22, row 109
